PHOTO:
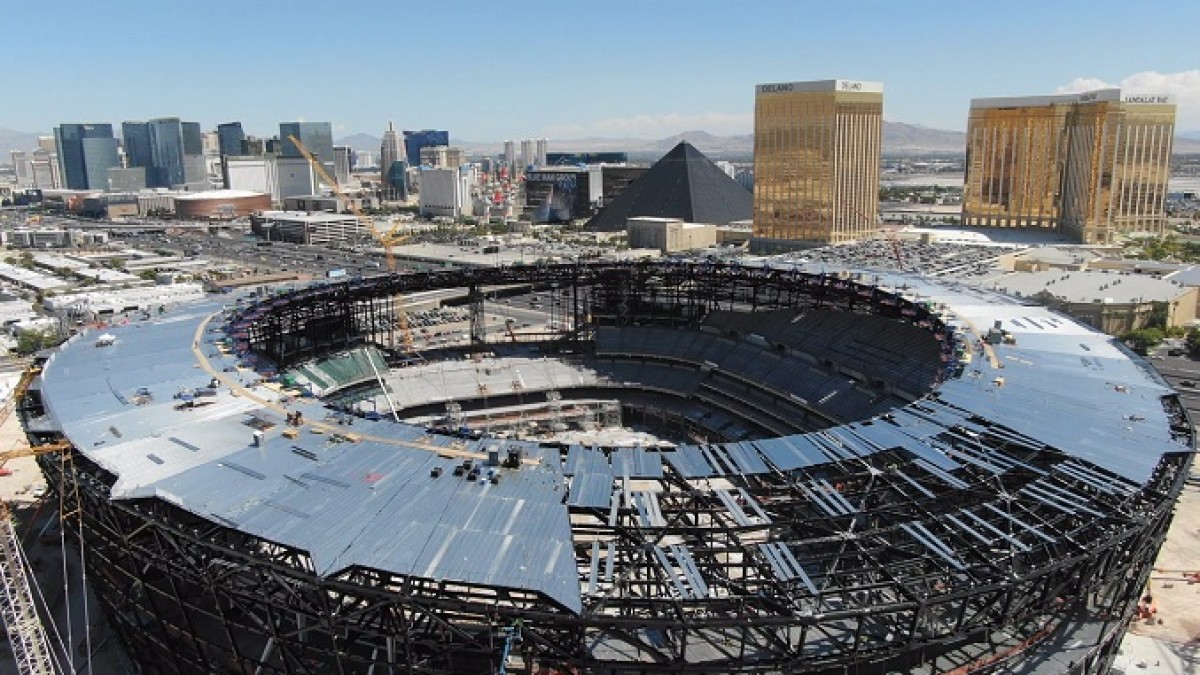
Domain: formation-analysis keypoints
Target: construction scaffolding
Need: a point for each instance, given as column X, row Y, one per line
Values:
column 955, row 544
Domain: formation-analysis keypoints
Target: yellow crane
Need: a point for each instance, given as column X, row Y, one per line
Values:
column 18, row 608
column 386, row 239
column 10, row 403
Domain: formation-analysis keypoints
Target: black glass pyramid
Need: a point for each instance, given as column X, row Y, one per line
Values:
column 683, row 184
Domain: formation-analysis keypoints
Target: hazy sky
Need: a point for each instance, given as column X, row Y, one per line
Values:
column 567, row 69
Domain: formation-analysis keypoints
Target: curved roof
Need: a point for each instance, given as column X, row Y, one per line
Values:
column 371, row 500
column 218, row 194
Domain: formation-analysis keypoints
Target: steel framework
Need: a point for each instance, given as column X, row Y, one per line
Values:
column 878, row 563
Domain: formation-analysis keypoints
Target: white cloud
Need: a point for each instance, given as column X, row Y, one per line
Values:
column 1082, row 84
column 657, row 126
column 1185, row 86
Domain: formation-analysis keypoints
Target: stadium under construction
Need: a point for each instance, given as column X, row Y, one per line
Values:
column 867, row 473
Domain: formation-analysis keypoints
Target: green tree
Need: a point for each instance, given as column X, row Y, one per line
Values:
column 1143, row 339
column 1193, row 341
column 32, row 341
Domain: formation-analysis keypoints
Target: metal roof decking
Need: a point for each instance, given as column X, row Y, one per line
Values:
column 375, row 504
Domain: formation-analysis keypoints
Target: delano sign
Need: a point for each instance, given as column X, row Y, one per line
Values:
column 841, row 86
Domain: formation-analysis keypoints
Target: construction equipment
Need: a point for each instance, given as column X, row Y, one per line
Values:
column 26, row 634
column 13, row 399
column 33, row 451
column 386, row 239
column 510, row 635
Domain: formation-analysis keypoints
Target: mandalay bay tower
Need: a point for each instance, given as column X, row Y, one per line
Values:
column 816, row 162
column 1091, row 165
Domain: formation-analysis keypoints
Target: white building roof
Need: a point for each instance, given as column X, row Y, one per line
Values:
column 1090, row 286
column 305, row 217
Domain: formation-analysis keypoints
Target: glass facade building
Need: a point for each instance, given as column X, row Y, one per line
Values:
column 166, row 139
column 136, row 138
column 415, row 140
column 85, row 154
column 316, row 136
column 816, row 162
column 171, row 151
column 230, row 137
column 1091, row 165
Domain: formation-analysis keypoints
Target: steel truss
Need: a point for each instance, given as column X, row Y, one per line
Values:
column 876, row 564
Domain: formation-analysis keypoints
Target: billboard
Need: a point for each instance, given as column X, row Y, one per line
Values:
column 556, row 196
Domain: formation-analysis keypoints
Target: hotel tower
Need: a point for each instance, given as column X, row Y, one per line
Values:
column 1090, row 165
column 816, row 162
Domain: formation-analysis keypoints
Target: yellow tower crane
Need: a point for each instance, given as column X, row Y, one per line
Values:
column 386, row 239
column 18, row 607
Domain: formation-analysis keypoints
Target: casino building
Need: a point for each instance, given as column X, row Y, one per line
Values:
column 1092, row 165
column 816, row 162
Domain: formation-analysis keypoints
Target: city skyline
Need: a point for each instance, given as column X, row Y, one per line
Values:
column 612, row 69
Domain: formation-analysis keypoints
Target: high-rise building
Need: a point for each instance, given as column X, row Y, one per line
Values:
column 212, row 144
column 539, row 153
column 446, row 192
column 135, row 139
column 1090, row 165
column 229, row 138
column 85, row 154
column 415, row 140
column 23, row 167
column 171, row 151
column 341, row 164
column 390, row 149
column 816, row 162
column 47, row 172
column 526, row 153
column 510, row 154
column 166, row 147
column 252, row 146
column 443, row 157
column 316, row 136
column 392, row 167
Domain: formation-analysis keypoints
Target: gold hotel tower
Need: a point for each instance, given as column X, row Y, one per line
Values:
column 816, row 162
column 1091, row 165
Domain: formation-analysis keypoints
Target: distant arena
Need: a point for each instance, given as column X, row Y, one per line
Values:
column 221, row 204
column 866, row 474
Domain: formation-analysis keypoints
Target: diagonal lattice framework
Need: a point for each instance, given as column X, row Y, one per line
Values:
column 877, row 561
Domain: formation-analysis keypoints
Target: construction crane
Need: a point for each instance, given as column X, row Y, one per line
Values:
column 26, row 633
column 33, row 451
column 9, row 404
column 386, row 239
column 18, row 392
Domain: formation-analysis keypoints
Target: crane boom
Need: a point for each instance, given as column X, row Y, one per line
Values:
column 26, row 634
column 13, row 399
column 33, row 451
column 386, row 240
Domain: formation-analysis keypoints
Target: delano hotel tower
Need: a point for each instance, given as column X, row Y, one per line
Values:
column 1091, row 165
column 816, row 162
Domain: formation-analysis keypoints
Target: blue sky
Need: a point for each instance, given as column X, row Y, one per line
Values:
column 614, row 68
